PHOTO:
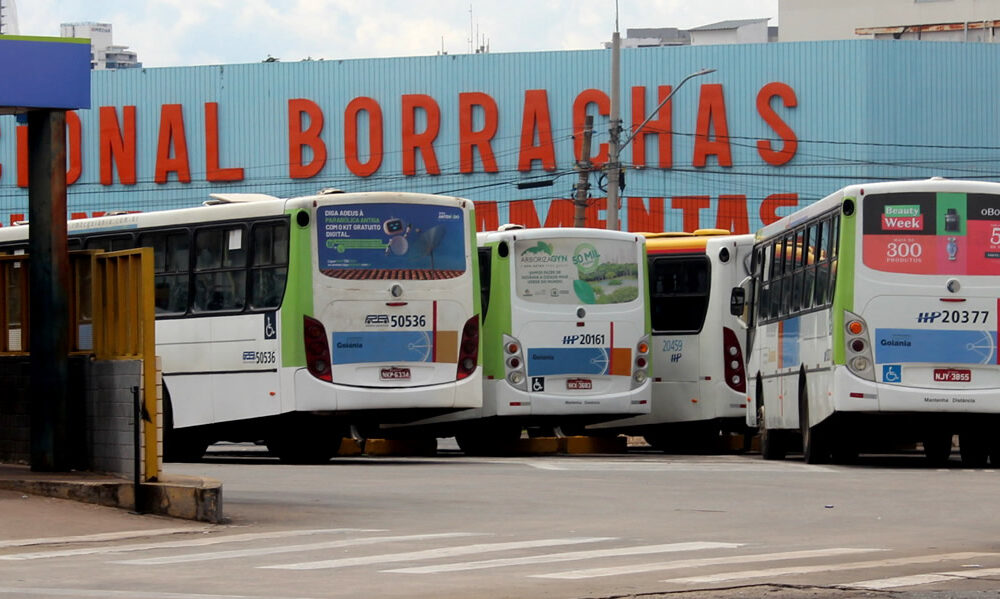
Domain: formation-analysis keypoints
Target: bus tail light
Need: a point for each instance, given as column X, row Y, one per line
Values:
column 513, row 365
column 468, row 350
column 732, row 357
column 640, row 367
column 317, row 349
column 858, row 347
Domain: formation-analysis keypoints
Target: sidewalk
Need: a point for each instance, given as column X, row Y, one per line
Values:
column 177, row 496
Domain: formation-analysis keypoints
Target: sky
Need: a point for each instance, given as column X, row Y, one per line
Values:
column 167, row 33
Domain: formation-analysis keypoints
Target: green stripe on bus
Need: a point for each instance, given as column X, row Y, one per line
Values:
column 298, row 300
column 498, row 317
column 843, row 296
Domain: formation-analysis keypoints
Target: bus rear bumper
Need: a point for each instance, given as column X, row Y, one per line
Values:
column 852, row 394
column 514, row 402
column 314, row 395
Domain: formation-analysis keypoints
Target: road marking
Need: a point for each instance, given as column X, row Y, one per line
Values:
column 918, row 579
column 566, row 557
column 661, row 466
column 198, row 557
column 54, row 592
column 750, row 574
column 435, row 553
column 708, row 561
column 201, row 542
column 104, row 536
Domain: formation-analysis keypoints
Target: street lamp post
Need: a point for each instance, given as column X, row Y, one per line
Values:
column 614, row 148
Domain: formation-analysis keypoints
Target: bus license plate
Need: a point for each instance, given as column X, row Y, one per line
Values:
column 395, row 374
column 579, row 384
column 952, row 375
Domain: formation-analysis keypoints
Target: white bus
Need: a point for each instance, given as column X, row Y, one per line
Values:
column 565, row 334
column 287, row 321
column 699, row 384
column 873, row 319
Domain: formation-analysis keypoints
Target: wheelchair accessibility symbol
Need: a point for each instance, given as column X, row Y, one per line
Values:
column 538, row 383
column 892, row 373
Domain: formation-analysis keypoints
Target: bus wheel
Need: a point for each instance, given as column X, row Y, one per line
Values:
column 973, row 446
column 772, row 443
column 815, row 439
column 937, row 448
column 180, row 445
column 306, row 440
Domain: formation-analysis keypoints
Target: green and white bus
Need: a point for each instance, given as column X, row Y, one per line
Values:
column 289, row 320
column 873, row 319
column 565, row 334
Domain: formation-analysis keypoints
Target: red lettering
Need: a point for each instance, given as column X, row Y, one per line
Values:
column 640, row 219
column 310, row 137
column 117, row 143
column 769, row 207
column 422, row 142
column 22, row 156
column 213, row 172
column 660, row 127
column 712, row 117
column 690, row 207
column 536, row 119
column 791, row 142
column 172, row 140
column 487, row 217
column 522, row 212
column 74, row 147
column 351, row 114
column 732, row 214
column 592, row 213
column 469, row 138
column 16, row 218
column 580, row 105
column 561, row 214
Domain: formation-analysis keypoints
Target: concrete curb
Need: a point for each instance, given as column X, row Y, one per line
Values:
column 177, row 496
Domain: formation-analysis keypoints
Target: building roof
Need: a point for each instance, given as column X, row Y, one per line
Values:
column 736, row 24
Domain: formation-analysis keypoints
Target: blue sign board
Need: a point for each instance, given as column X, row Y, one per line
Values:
column 38, row 72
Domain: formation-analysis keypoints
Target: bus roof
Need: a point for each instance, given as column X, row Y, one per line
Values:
column 681, row 242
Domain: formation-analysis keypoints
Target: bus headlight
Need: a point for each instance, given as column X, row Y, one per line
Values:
column 515, row 378
column 859, row 363
column 639, row 377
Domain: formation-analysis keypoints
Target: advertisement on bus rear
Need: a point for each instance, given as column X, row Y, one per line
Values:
column 576, row 271
column 932, row 233
column 391, row 241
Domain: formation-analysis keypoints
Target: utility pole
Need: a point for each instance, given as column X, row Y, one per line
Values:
column 582, row 185
column 616, row 129
column 614, row 149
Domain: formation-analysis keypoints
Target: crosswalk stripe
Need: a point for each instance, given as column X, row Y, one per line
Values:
column 708, row 561
column 103, row 536
column 565, row 557
column 435, row 553
column 198, row 542
column 106, row 593
column 918, row 579
column 198, row 557
column 750, row 574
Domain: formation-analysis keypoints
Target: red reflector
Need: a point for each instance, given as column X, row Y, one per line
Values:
column 657, row 379
column 579, row 324
column 858, row 395
column 515, row 403
column 490, row 377
column 952, row 299
column 642, row 401
column 708, row 378
column 395, row 304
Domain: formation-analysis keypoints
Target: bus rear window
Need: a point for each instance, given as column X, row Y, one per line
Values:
column 576, row 270
column 932, row 233
column 391, row 241
column 679, row 293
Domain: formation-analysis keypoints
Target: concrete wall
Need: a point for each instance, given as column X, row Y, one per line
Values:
column 101, row 401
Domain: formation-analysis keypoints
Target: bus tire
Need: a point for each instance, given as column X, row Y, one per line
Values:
column 304, row 439
column 974, row 448
column 815, row 439
column 180, row 445
column 937, row 448
column 772, row 442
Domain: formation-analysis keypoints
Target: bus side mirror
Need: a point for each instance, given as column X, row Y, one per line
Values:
column 737, row 301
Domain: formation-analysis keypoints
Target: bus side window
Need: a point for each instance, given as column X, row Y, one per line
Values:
column 170, row 267
column 485, row 263
column 269, row 270
column 109, row 243
column 220, row 269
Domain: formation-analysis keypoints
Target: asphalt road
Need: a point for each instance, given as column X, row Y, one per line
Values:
column 639, row 524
